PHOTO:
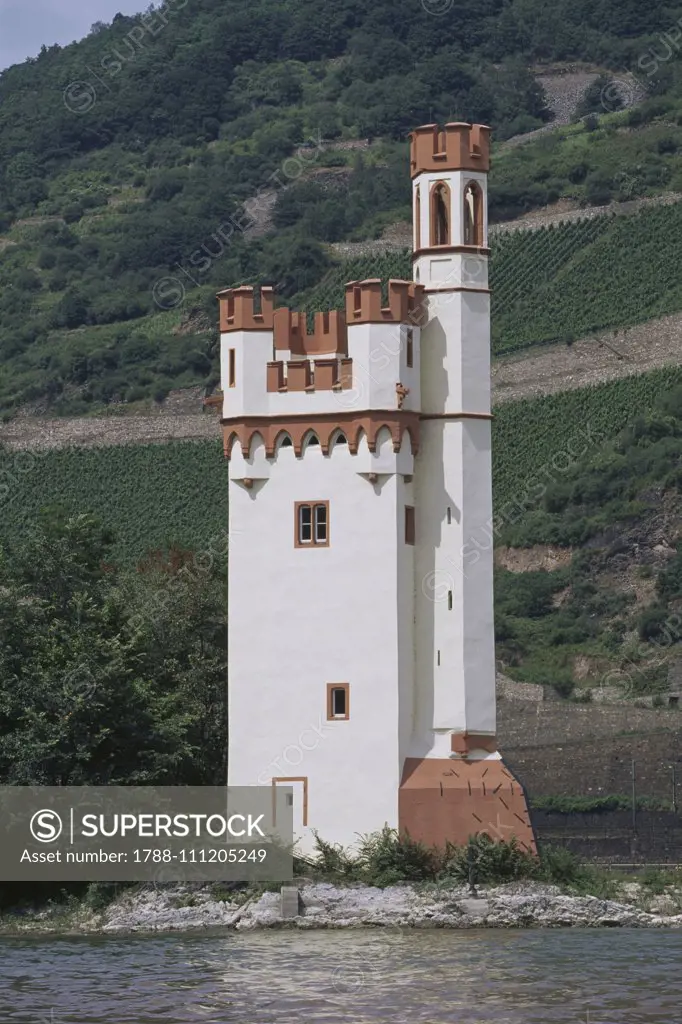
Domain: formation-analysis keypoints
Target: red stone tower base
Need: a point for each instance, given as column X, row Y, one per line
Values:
column 443, row 799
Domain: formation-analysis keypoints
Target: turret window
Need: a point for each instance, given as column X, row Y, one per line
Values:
column 473, row 215
column 440, row 214
column 338, row 701
column 312, row 524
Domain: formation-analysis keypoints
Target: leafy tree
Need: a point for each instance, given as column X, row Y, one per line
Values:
column 108, row 678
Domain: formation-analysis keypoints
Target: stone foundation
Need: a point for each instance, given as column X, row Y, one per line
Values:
column 448, row 800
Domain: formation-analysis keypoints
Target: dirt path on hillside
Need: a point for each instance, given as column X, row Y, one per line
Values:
column 594, row 360
column 543, row 371
column 42, row 434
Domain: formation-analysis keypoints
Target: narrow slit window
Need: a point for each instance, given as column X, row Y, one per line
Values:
column 357, row 299
column 312, row 524
column 449, row 600
column 449, row 515
column 438, row 657
column 417, row 219
column 231, row 369
column 338, row 701
column 440, row 215
column 409, row 347
column 473, row 215
column 409, row 524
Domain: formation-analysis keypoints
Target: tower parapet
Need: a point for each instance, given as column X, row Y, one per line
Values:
column 405, row 302
column 271, row 366
column 238, row 312
column 329, row 334
column 457, row 147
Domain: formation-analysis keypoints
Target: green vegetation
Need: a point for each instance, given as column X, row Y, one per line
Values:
column 597, row 804
column 121, row 205
column 386, row 858
column 581, row 466
column 121, row 196
column 559, row 284
column 618, row 482
column 597, row 500
column 151, row 497
column 108, row 676
column 537, row 441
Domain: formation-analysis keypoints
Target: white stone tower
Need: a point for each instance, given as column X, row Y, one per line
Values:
column 361, row 642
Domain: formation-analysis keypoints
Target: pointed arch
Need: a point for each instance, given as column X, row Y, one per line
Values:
column 229, row 443
column 282, row 440
column 383, row 437
column 441, row 206
column 356, row 444
column 309, row 438
column 338, row 437
column 472, row 214
column 255, row 441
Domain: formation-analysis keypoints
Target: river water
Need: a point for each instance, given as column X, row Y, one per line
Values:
column 286, row 977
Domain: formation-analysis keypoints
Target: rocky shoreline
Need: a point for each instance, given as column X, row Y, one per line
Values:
column 181, row 908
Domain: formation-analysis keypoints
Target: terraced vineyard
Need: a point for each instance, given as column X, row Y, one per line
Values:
column 557, row 283
column 151, row 495
column 620, row 272
column 158, row 494
column 523, row 261
column 534, row 441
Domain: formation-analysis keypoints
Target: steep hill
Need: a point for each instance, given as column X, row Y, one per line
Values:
column 127, row 161
column 588, row 524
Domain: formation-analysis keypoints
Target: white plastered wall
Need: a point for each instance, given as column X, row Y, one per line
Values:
column 300, row 618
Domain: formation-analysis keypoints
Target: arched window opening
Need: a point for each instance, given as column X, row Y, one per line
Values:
column 473, row 215
column 339, row 438
column 440, row 215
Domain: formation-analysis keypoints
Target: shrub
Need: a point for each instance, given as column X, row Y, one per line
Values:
column 491, row 861
column 333, row 861
column 560, row 866
column 650, row 623
column 387, row 857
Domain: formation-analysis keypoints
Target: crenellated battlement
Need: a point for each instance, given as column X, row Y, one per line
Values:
column 457, row 147
column 309, row 375
column 365, row 358
column 238, row 312
column 329, row 334
column 405, row 303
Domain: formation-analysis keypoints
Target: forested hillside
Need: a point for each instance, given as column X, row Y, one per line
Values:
column 125, row 160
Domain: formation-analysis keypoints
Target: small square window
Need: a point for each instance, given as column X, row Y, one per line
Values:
column 312, row 524
column 338, row 701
